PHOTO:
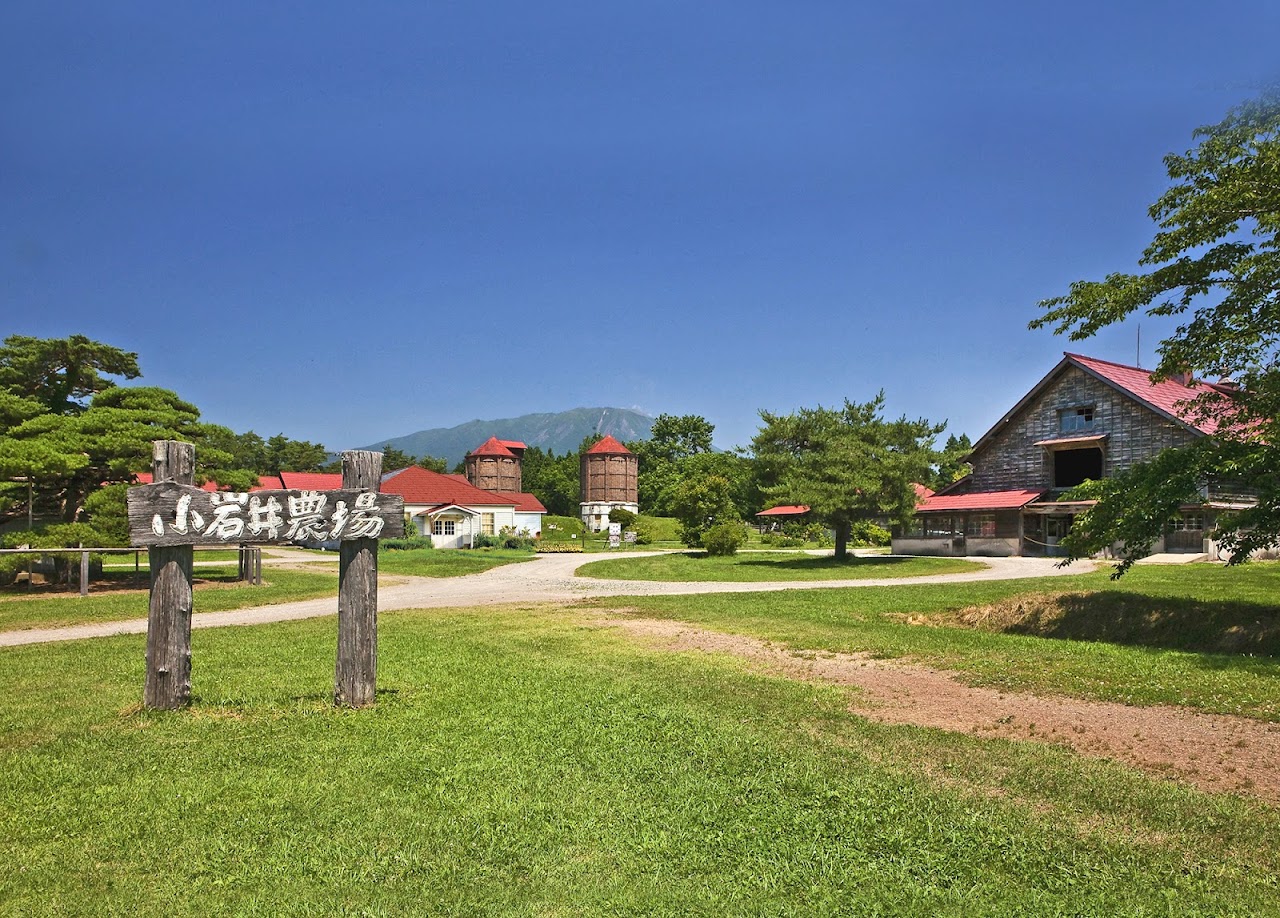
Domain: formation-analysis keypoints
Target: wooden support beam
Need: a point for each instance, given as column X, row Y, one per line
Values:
column 168, row 681
column 356, row 670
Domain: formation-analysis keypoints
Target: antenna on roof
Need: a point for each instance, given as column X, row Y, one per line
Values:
column 1137, row 362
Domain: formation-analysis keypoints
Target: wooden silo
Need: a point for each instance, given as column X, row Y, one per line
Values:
column 609, row 472
column 493, row 466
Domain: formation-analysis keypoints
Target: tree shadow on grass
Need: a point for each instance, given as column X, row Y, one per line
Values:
column 1135, row 619
column 822, row 563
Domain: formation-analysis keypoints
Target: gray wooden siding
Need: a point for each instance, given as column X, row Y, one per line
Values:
column 1136, row 433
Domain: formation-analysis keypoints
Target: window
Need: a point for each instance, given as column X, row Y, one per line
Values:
column 1188, row 522
column 981, row 525
column 939, row 527
column 486, row 523
column 1073, row 466
column 1074, row 420
column 443, row 527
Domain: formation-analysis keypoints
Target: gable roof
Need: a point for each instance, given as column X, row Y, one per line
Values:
column 420, row 486
column 525, row 503
column 608, row 447
column 1168, row 397
column 147, row 478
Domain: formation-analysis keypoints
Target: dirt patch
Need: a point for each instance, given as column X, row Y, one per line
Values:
column 1214, row 752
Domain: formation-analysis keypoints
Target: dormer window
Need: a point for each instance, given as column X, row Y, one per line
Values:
column 1074, row 420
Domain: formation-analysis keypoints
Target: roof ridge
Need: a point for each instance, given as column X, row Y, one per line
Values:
column 1110, row 363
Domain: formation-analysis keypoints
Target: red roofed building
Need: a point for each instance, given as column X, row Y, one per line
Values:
column 1086, row 419
column 609, row 481
column 453, row 511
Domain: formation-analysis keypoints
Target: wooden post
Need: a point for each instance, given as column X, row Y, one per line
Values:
column 84, row 571
column 257, row 567
column 168, row 683
column 356, row 671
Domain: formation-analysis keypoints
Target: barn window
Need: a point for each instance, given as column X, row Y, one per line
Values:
column 1074, row 466
column 1188, row 522
column 443, row 527
column 1074, row 420
column 981, row 525
column 486, row 523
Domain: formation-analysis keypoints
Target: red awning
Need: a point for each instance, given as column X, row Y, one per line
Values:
column 979, row 500
column 785, row 511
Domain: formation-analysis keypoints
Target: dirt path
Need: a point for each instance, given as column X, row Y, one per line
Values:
column 1214, row 752
column 547, row 578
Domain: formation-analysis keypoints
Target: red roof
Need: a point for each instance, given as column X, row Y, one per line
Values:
column 269, row 483
column 979, row 500
column 419, row 486
column 608, row 447
column 525, row 503
column 311, row 481
column 145, row 478
column 1167, row 396
column 492, row 447
column 922, row 491
column 795, row 510
column 513, row 444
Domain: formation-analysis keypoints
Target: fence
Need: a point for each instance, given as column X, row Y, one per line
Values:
column 249, row 569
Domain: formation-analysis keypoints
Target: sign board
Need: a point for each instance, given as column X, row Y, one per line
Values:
column 168, row 513
column 615, row 529
column 615, row 541
column 629, row 536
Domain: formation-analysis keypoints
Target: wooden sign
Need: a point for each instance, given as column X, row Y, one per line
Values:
column 169, row 513
column 170, row 516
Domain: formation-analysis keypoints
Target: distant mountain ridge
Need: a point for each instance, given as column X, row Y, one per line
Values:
column 559, row 432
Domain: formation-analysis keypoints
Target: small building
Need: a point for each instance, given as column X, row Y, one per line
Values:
column 774, row 517
column 609, row 481
column 1086, row 419
column 450, row 510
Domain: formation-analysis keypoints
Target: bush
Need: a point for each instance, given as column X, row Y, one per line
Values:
column 620, row 515
column 724, row 539
column 865, row 532
column 644, row 530
column 781, row 540
column 506, row 538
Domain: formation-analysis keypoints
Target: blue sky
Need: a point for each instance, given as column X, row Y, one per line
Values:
column 353, row 221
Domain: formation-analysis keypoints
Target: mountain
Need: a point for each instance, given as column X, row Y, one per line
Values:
column 560, row 432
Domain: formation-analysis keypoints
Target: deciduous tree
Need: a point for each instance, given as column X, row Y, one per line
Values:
column 1214, row 262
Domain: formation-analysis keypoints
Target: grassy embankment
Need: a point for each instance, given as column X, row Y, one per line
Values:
column 1200, row 636
column 519, row 763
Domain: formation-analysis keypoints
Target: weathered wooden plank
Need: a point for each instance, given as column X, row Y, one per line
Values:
column 174, row 513
column 356, row 669
column 168, row 678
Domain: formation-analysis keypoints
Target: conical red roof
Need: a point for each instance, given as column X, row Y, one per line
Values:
column 608, row 447
column 492, row 447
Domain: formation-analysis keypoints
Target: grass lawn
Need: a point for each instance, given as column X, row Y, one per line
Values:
column 430, row 562
column 519, row 762
column 1154, row 637
column 756, row 567
column 216, row 590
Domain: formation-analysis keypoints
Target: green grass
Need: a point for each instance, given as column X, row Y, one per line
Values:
column 448, row 563
column 519, row 763
column 757, row 567
column 216, row 590
column 1137, row 666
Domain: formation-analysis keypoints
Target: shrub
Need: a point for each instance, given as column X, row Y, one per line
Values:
column 644, row 531
column 865, row 532
column 724, row 539
column 781, row 540
column 623, row 516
